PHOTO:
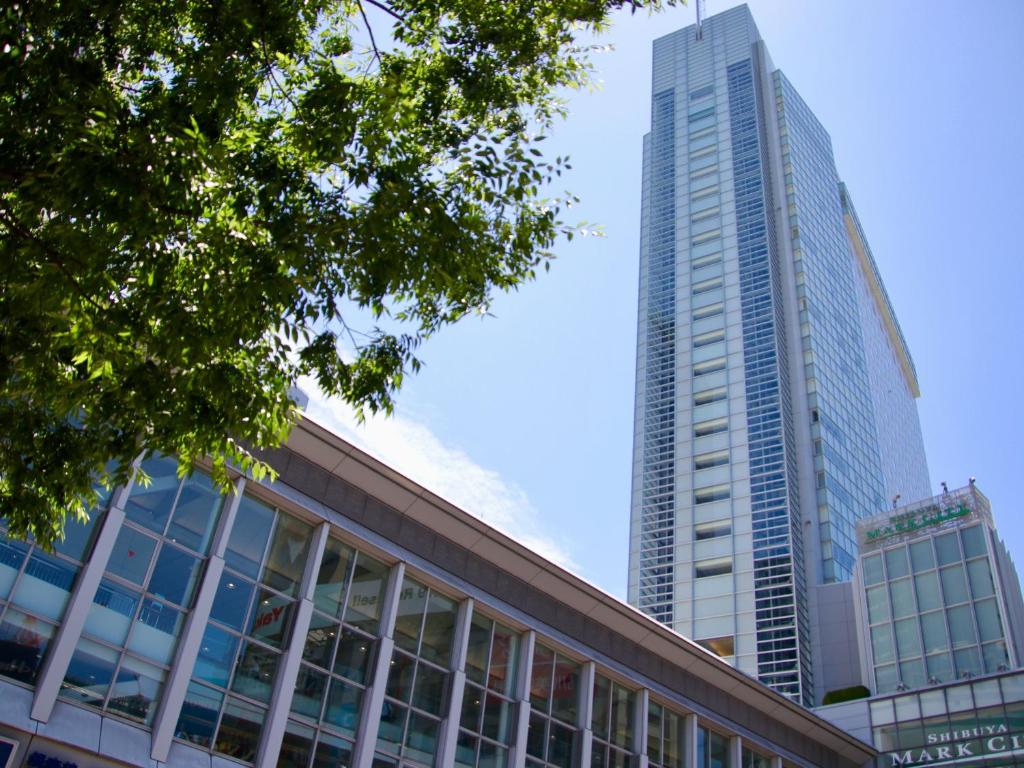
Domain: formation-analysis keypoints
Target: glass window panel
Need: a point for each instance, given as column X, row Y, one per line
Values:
column 23, row 643
column 990, row 627
column 940, row 667
column 1012, row 687
column 902, row 598
column 400, row 677
column 718, row 750
column 673, row 745
column 968, row 661
column 295, row 746
column 78, row 536
column 498, row 715
column 332, row 752
column 150, row 504
column 504, row 660
column 288, row 553
column 947, row 547
column 329, row 593
column 249, row 536
column 136, row 690
column 974, row 540
column 932, row 703
column 654, row 718
column 560, row 744
column 472, row 707
column 933, row 628
column 216, row 656
column 438, row 629
column 111, row 613
column 536, row 737
column 995, row 657
column 602, row 704
column 954, row 585
column 343, row 704
column 980, row 575
column 175, row 575
column 882, row 712
column 271, row 618
column 309, row 692
column 887, row 678
column 428, row 693
column 928, row 597
column 878, row 604
column 565, row 690
column 198, row 715
column 196, row 514
column 881, row 643
column 392, row 727
column 254, row 675
column 45, row 585
column 908, row 641
column 409, row 620
column 896, row 563
column 421, row 740
column 12, row 555
column 239, row 732
column 465, row 751
column 132, row 552
column 540, row 678
column 961, row 626
column 369, row 579
column 873, row 570
column 353, row 657
column 89, row 674
column 912, row 673
column 231, row 603
column 921, row 555
column 156, row 631
column 621, row 717
column 320, row 641
column 478, row 648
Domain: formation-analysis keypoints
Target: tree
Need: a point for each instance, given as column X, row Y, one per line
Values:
column 201, row 199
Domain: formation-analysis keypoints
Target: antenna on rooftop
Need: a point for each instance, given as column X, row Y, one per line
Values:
column 700, row 19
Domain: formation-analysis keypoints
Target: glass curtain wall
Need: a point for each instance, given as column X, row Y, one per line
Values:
column 666, row 737
column 612, row 724
column 554, row 710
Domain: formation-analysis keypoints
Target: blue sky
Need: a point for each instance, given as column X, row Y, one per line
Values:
column 525, row 418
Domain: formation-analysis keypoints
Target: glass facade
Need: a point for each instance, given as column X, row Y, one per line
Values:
column 933, row 610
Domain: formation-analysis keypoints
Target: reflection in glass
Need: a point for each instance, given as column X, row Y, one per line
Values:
column 421, row 741
column 353, row 656
column 111, row 613
column 216, row 655
column 23, row 643
column 974, row 541
column 271, row 618
column 45, row 585
column 239, row 732
column 132, row 552
column 921, row 555
column 249, row 536
column 150, row 504
column 136, row 690
column 254, row 675
column 954, row 585
column 329, row 594
column 287, row 557
column 332, row 752
column 196, row 514
column 295, row 746
column 369, row 578
column 309, row 692
column 175, row 575
column 231, row 603
column 342, row 710
column 89, row 673
column 156, row 631
column 198, row 715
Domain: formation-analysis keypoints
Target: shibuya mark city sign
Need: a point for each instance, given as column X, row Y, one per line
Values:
column 961, row 747
column 914, row 521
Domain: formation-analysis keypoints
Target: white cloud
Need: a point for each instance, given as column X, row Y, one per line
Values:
column 412, row 449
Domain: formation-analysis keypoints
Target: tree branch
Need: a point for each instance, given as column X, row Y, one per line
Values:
column 369, row 29
column 386, row 8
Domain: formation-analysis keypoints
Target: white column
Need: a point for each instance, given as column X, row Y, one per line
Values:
column 690, row 742
column 450, row 724
column 586, row 713
column 735, row 752
column 373, row 697
column 63, row 648
column 288, row 667
column 643, row 698
column 517, row 754
column 173, row 697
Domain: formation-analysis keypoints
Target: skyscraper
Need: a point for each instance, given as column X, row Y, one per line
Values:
column 775, row 392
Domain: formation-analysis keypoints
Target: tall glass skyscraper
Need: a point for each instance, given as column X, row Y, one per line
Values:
column 775, row 398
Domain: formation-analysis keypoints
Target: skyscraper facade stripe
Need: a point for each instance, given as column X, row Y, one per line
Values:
column 781, row 359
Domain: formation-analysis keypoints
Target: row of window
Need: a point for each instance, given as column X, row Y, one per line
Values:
column 160, row 562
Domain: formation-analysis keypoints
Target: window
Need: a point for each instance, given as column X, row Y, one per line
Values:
column 554, row 691
column 711, row 493
column 415, row 696
column 712, row 749
column 713, row 530
column 709, row 338
column 753, row 760
column 709, row 366
column 716, row 567
column 488, row 710
column 710, row 427
column 666, row 737
column 709, row 396
column 709, row 311
column 700, row 93
column 708, row 460
column 338, row 655
column 250, row 623
column 706, row 261
column 612, row 723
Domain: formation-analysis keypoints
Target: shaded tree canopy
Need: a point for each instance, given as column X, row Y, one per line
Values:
column 201, row 199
